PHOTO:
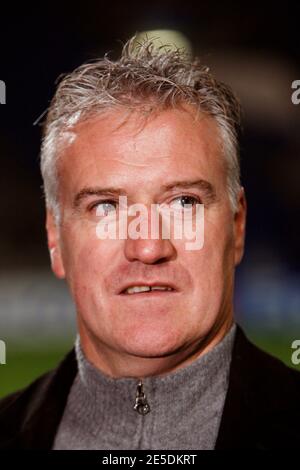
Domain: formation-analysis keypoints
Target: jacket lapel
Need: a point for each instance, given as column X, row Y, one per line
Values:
column 236, row 413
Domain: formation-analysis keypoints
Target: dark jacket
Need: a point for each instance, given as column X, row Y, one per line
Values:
column 261, row 409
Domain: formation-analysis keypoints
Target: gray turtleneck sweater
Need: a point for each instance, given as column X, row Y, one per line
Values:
column 185, row 406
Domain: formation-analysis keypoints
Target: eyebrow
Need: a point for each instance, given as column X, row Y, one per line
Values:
column 96, row 191
column 202, row 185
column 205, row 186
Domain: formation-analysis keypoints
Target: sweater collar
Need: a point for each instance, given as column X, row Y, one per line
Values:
column 100, row 397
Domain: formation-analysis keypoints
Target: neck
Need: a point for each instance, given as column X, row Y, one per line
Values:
column 119, row 364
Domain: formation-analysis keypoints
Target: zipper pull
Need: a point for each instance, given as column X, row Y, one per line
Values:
column 141, row 403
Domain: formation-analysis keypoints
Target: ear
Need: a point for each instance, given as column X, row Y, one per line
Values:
column 54, row 245
column 240, row 227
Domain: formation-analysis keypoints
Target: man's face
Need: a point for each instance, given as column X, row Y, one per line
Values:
column 144, row 162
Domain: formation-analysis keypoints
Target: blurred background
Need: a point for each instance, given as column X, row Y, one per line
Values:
column 254, row 48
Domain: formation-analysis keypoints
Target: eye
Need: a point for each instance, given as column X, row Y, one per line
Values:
column 181, row 202
column 103, row 208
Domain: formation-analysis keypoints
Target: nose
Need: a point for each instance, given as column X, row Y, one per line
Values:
column 149, row 251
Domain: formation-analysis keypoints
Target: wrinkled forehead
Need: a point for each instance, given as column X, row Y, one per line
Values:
column 147, row 146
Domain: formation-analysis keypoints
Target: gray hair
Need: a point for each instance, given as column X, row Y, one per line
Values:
column 144, row 74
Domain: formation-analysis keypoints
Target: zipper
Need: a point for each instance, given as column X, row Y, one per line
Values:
column 141, row 402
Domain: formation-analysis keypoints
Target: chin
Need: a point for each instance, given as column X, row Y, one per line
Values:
column 152, row 345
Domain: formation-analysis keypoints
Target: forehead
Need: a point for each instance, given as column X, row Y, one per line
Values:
column 119, row 145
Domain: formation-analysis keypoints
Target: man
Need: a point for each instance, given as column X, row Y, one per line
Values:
column 159, row 362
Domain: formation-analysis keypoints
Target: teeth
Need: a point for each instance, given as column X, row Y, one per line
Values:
column 137, row 289
column 160, row 288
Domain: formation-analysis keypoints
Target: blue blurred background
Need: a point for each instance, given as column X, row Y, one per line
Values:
column 254, row 48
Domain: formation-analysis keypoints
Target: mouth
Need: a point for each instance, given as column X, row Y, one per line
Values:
column 157, row 289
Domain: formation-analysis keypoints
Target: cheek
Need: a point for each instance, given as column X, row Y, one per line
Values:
column 209, row 266
column 88, row 264
column 86, row 258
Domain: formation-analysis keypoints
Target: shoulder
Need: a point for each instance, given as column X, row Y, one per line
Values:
column 261, row 367
column 262, row 404
column 36, row 407
column 17, row 407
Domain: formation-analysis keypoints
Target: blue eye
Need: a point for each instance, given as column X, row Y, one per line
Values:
column 104, row 207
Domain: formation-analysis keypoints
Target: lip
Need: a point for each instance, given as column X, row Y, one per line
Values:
column 148, row 284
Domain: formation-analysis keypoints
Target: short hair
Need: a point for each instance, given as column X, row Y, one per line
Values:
column 144, row 73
